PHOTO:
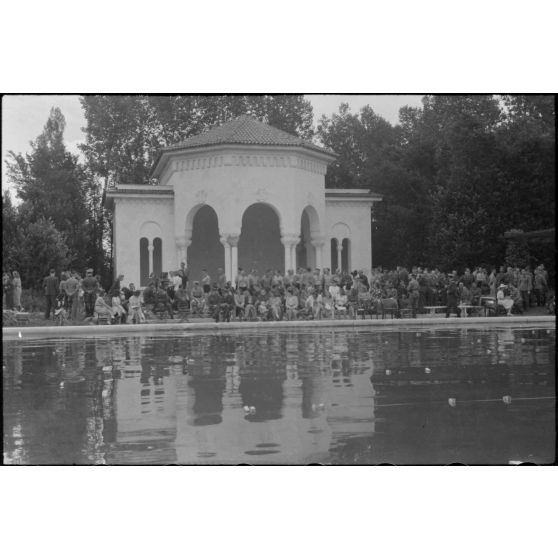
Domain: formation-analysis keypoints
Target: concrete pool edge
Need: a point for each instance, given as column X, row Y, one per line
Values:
column 66, row 331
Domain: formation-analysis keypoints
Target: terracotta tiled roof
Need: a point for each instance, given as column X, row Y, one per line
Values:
column 246, row 130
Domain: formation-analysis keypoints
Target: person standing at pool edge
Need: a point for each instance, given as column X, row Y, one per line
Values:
column 50, row 285
column 90, row 286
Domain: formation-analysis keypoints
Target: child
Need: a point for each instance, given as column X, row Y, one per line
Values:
column 136, row 312
column 60, row 314
column 118, row 308
column 262, row 310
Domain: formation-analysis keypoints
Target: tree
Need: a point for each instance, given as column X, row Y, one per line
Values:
column 371, row 155
column 43, row 247
column 11, row 234
column 50, row 182
column 455, row 175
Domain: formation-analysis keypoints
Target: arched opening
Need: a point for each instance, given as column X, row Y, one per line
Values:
column 206, row 250
column 144, row 261
column 334, row 263
column 158, row 256
column 260, row 246
column 346, row 255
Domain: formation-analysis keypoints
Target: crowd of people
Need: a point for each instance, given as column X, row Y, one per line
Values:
column 302, row 294
column 317, row 294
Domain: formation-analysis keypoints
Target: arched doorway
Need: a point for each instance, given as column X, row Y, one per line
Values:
column 259, row 246
column 206, row 250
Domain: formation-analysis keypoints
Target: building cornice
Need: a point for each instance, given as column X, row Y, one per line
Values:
column 242, row 155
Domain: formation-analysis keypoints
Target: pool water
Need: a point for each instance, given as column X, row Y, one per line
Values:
column 351, row 396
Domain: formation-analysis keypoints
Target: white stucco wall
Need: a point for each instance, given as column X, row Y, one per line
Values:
column 134, row 218
column 356, row 217
column 230, row 180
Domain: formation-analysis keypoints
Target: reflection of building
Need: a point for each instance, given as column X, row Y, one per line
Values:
column 243, row 194
column 145, row 420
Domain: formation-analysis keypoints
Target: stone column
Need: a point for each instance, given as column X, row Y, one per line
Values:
column 289, row 242
column 233, row 241
column 318, row 243
column 181, row 246
column 227, row 247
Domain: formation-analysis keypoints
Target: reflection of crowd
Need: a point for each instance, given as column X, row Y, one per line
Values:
column 317, row 294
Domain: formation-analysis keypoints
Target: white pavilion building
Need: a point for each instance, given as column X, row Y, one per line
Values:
column 243, row 194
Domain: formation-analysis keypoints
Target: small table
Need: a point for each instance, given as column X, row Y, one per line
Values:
column 432, row 309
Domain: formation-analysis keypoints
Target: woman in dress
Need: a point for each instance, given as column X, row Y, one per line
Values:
column 17, row 290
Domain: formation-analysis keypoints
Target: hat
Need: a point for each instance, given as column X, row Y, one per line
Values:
column 196, row 282
column 89, row 270
column 502, row 286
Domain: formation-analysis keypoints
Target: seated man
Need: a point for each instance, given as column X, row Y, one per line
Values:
column 134, row 305
column 182, row 302
column 213, row 301
column 227, row 305
column 101, row 308
column 515, row 295
column 163, row 302
column 197, row 301
column 341, row 303
column 239, row 303
column 504, row 299
column 291, row 304
column 352, row 300
column 250, row 312
column 318, row 303
column 276, row 306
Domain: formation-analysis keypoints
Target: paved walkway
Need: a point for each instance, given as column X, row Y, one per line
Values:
column 211, row 326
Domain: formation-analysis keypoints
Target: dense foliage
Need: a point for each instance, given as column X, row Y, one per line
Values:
column 456, row 174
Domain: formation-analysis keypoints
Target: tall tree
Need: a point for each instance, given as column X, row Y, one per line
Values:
column 370, row 155
column 50, row 182
column 43, row 247
column 11, row 234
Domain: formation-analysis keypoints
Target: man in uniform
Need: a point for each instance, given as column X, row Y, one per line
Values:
column 51, row 287
column 90, row 285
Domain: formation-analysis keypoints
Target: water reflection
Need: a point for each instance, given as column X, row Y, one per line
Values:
column 352, row 396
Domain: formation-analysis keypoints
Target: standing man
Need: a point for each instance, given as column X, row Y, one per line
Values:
column 452, row 294
column 183, row 274
column 51, row 287
column 525, row 288
column 221, row 278
column 71, row 289
column 413, row 292
column 90, row 285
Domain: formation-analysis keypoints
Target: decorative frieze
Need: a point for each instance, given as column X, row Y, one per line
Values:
column 249, row 160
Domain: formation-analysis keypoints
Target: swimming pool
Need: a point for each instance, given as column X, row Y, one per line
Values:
column 400, row 395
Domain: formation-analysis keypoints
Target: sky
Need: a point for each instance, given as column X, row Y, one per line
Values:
column 24, row 116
